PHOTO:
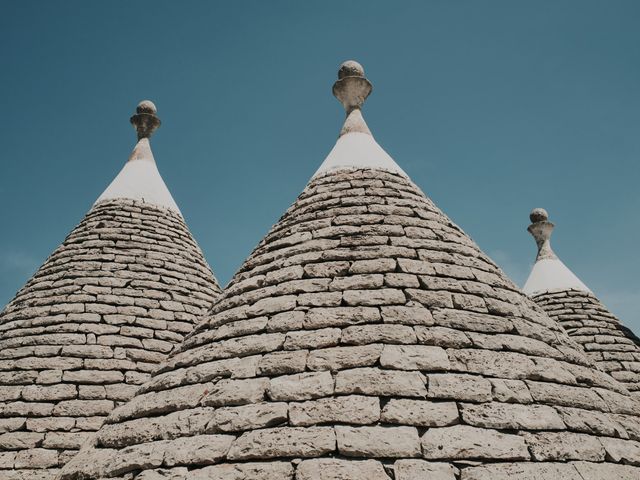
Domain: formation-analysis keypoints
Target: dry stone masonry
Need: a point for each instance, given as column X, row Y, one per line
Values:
column 614, row 348
column 368, row 338
column 88, row 329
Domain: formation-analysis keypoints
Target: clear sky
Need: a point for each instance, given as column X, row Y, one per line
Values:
column 492, row 107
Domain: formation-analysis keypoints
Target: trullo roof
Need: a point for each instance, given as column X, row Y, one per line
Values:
column 368, row 338
column 121, row 291
column 610, row 344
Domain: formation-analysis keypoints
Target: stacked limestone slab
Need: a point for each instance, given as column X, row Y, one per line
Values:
column 368, row 338
column 79, row 338
column 610, row 344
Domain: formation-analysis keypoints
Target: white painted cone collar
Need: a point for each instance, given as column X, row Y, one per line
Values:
column 548, row 273
column 356, row 147
column 140, row 179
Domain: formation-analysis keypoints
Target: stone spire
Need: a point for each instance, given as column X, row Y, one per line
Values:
column 548, row 273
column 367, row 337
column 112, row 301
column 140, row 179
column 610, row 344
column 356, row 147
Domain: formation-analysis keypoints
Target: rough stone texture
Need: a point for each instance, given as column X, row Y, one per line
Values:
column 610, row 344
column 334, row 469
column 344, row 378
column 91, row 325
column 422, row 469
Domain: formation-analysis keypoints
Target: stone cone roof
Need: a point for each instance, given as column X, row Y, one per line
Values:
column 610, row 344
column 367, row 337
column 125, row 286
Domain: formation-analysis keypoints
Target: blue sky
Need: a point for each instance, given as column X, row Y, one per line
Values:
column 492, row 107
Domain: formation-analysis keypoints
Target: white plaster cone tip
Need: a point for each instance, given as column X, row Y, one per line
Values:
column 551, row 274
column 140, row 179
column 358, row 150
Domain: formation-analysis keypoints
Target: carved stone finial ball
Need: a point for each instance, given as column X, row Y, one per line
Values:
column 538, row 215
column 146, row 106
column 350, row 68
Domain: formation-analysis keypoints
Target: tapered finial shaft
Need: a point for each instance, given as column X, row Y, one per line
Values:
column 145, row 119
column 541, row 229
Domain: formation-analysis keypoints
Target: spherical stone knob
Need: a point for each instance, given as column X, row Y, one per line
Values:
column 350, row 68
column 146, row 106
column 145, row 119
column 538, row 215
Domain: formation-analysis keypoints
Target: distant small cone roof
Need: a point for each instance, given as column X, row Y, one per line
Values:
column 548, row 273
column 94, row 321
column 610, row 344
column 367, row 337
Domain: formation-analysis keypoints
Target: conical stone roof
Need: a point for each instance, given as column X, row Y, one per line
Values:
column 368, row 338
column 121, row 291
column 610, row 344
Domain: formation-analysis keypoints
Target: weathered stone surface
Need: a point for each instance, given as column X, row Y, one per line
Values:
column 413, row 315
column 622, row 451
column 562, row 446
column 36, row 458
column 283, row 442
column 380, row 265
column 340, row 358
column 247, row 417
column 237, row 392
column 610, row 471
column 382, row 296
column 566, row 395
column 83, row 408
column 421, row 469
column 461, row 441
column 66, row 440
column 525, row 471
column 302, row 386
column 513, row 391
column 414, row 357
column 245, row 471
column 380, row 333
column 137, row 457
column 588, row 421
column 279, row 363
column 373, row 381
column 383, row 442
column 339, row 316
column 336, row 469
column 354, row 409
column 420, row 413
column 326, row 337
column 200, row 450
column 511, row 416
column 459, row 387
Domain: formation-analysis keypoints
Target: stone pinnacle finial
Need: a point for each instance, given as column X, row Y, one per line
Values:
column 145, row 119
column 352, row 89
column 541, row 229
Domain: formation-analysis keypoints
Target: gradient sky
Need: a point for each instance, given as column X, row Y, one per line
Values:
column 492, row 107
